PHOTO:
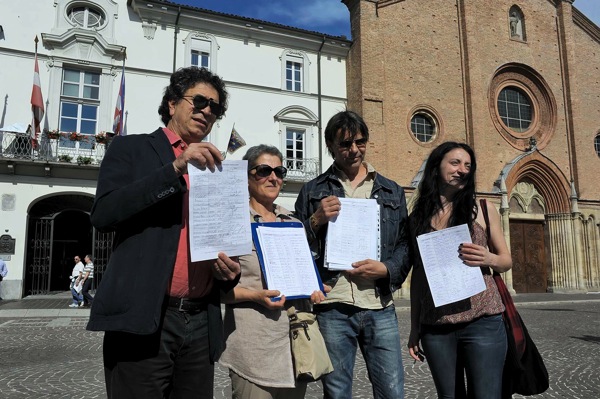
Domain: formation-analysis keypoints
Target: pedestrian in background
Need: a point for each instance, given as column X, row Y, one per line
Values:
column 3, row 271
column 76, row 287
column 86, row 279
column 467, row 335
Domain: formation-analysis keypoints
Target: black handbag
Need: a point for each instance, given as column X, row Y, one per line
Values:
column 524, row 370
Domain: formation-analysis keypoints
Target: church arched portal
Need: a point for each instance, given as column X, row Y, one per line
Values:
column 59, row 228
column 538, row 194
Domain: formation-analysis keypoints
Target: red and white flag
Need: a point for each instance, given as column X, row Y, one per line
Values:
column 37, row 102
column 120, row 107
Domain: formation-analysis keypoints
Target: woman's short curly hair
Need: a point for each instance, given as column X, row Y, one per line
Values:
column 185, row 78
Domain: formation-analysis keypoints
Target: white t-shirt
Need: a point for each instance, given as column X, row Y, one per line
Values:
column 77, row 269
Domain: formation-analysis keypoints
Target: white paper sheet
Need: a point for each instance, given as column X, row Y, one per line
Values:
column 450, row 280
column 219, row 211
column 287, row 260
column 354, row 235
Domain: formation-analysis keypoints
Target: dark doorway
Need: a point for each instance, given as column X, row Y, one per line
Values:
column 59, row 228
column 529, row 256
column 72, row 236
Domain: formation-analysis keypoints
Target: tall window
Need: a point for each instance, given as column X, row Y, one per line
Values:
column 200, row 59
column 86, row 17
column 515, row 109
column 295, row 68
column 201, row 50
column 597, row 144
column 293, row 75
column 295, row 148
column 79, row 104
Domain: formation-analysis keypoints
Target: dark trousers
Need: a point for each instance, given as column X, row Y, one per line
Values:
column 85, row 291
column 172, row 363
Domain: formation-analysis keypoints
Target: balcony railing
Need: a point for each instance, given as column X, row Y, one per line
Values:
column 301, row 169
column 20, row 146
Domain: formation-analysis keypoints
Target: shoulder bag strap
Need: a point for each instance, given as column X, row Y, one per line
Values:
column 511, row 316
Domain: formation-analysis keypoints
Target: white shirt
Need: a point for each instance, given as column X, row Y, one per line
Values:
column 77, row 269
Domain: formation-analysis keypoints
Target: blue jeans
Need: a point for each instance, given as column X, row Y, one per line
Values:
column 376, row 332
column 77, row 297
column 477, row 348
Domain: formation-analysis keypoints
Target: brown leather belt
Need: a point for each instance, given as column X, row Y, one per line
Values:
column 189, row 305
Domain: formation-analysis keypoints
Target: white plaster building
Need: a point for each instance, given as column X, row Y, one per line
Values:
column 282, row 82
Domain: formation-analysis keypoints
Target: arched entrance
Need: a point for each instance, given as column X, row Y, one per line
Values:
column 59, row 228
column 537, row 191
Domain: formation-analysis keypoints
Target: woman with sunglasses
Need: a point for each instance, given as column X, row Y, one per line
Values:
column 258, row 352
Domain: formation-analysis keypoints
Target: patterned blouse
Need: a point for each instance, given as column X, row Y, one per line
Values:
column 485, row 303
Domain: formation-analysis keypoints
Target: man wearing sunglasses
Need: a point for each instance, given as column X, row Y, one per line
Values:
column 160, row 311
column 359, row 309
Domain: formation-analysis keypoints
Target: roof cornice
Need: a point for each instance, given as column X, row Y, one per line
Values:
column 193, row 18
column 586, row 24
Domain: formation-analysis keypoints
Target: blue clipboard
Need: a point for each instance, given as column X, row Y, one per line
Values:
column 259, row 252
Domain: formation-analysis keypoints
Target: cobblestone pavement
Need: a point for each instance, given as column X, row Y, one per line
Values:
column 47, row 353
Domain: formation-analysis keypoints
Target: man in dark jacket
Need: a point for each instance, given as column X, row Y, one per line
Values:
column 159, row 309
column 359, row 309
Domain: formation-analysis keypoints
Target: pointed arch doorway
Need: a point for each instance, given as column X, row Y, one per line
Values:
column 59, row 228
column 538, row 192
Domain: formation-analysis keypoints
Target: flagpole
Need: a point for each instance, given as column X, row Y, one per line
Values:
column 118, row 117
column 33, row 129
column 121, row 120
column 37, row 101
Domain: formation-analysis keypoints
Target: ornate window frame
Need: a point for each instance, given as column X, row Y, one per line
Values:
column 544, row 113
column 202, row 42
column 303, row 119
column 295, row 56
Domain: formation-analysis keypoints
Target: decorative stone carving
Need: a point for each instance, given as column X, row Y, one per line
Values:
column 149, row 29
column 525, row 194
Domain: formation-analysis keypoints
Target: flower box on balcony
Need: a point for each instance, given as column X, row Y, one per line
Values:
column 74, row 136
column 52, row 134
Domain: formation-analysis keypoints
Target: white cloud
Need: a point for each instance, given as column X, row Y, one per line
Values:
column 309, row 14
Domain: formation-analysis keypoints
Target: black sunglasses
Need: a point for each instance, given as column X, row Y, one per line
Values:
column 265, row 171
column 346, row 144
column 200, row 102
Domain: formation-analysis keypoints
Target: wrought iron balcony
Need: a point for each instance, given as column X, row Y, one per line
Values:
column 80, row 149
column 301, row 169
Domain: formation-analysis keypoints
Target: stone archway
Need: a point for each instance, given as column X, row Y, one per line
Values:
column 537, row 191
column 58, row 228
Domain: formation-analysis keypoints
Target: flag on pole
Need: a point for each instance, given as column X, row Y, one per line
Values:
column 37, row 102
column 120, row 106
column 235, row 141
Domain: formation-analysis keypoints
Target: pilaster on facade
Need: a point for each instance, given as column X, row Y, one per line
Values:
column 566, row 45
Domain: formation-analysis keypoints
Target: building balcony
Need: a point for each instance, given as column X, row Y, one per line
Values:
column 301, row 170
column 83, row 151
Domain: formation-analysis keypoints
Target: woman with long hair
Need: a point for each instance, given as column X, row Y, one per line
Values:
column 466, row 336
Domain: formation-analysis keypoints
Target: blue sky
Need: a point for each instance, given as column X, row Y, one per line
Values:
column 325, row 16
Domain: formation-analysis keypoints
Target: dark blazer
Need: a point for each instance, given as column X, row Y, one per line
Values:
column 140, row 197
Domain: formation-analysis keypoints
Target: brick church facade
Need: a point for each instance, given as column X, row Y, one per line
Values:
column 517, row 80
